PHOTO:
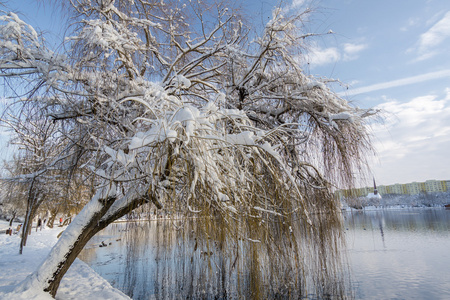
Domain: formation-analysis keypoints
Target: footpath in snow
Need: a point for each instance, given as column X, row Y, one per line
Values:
column 80, row 282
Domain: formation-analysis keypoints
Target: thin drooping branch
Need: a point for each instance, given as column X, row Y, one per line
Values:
column 213, row 123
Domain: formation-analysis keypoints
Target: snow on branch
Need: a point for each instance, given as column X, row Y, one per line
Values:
column 192, row 112
column 211, row 117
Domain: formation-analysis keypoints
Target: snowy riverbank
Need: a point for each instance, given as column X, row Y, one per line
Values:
column 80, row 282
column 393, row 201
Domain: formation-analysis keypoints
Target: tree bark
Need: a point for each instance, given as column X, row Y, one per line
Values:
column 12, row 218
column 32, row 207
column 90, row 229
column 26, row 228
column 95, row 216
column 51, row 220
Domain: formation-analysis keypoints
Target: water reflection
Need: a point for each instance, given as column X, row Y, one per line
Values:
column 177, row 260
column 402, row 254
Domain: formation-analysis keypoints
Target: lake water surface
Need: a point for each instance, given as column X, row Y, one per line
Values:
column 400, row 254
column 392, row 254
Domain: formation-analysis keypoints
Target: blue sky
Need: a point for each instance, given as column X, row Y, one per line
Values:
column 393, row 55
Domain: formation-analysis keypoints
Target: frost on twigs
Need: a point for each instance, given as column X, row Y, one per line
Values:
column 183, row 107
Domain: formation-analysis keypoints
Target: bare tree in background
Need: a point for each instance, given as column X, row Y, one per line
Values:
column 12, row 195
column 178, row 105
column 35, row 169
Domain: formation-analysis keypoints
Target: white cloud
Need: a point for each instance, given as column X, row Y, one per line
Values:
column 434, row 37
column 413, row 145
column 318, row 56
column 412, row 22
column 295, row 5
column 351, row 51
column 397, row 83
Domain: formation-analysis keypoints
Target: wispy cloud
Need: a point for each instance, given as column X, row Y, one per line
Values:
column 318, row 56
column 412, row 22
column 351, row 51
column 297, row 3
column 413, row 146
column 294, row 5
column 429, row 41
column 321, row 56
column 397, row 83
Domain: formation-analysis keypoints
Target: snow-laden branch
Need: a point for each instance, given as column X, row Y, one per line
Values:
column 213, row 121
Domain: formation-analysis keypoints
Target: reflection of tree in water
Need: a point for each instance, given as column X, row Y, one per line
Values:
column 429, row 220
column 269, row 257
column 382, row 232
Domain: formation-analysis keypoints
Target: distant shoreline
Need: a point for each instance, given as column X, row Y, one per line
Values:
column 425, row 200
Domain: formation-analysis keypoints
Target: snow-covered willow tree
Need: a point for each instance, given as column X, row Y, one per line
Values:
column 178, row 104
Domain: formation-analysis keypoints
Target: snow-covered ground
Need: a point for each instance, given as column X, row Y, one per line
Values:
column 80, row 282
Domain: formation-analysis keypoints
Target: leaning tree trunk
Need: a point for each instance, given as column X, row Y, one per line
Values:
column 87, row 232
column 92, row 218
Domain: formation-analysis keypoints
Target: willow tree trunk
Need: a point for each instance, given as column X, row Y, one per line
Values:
column 96, row 215
column 85, row 234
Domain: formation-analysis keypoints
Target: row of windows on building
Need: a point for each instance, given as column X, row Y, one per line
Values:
column 429, row 186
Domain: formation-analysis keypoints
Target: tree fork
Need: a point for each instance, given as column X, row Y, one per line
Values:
column 100, row 221
column 87, row 233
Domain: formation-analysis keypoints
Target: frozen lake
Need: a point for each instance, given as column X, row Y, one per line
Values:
column 392, row 254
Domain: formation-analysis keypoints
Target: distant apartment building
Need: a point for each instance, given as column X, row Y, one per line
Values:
column 413, row 188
